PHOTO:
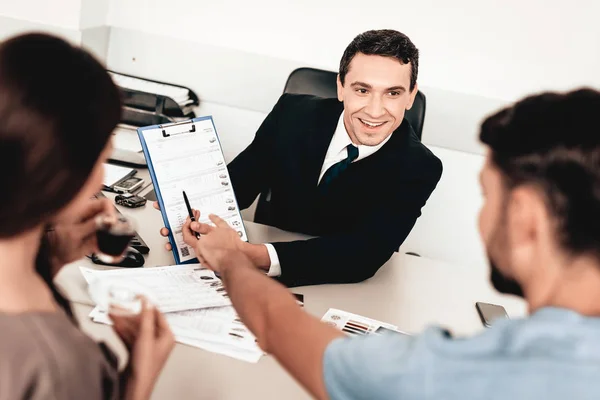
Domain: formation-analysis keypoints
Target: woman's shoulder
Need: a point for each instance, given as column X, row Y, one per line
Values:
column 44, row 332
column 43, row 354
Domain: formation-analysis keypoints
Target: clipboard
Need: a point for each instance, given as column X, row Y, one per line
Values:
column 191, row 131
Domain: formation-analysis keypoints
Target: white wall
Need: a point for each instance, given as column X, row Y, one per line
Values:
column 94, row 13
column 447, row 229
column 12, row 26
column 57, row 17
column 78, row 21
column 496, row 48
column 58, row 13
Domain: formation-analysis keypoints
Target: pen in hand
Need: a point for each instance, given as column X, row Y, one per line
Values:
column 189, row 208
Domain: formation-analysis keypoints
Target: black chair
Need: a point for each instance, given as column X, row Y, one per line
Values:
column 322, row 83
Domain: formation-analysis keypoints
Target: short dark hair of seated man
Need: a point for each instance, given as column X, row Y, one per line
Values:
column 539, row 223
column 532, row 151
column 385, row 43
column 348, row 170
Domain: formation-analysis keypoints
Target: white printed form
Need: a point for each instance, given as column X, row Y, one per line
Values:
column 216, row 325
column 172, row 288
column 192, row 161
column 214, row 329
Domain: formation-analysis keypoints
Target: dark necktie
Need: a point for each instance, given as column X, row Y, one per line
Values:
column 339, row 167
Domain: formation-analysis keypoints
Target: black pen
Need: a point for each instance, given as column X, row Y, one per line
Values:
column 189, row 208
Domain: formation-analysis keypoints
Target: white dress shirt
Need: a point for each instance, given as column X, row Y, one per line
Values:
column 335, row 153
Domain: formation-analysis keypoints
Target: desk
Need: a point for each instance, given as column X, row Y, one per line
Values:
column 408, row 291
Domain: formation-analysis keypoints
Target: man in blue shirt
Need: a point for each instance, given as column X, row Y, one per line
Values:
column 540, row 225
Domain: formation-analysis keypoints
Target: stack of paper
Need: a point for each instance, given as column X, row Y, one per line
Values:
column 195, row 304
column 181, row 95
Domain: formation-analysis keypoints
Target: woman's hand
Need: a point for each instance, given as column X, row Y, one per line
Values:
column 73, row 239
column 150, row 341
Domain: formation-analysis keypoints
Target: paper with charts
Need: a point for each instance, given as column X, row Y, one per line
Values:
column 357, row 325
column 194, row 301
column 172, row 288
column 192, row 162
column 217, row 330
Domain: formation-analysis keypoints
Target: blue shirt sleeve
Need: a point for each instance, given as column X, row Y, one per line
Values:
column 368, row 367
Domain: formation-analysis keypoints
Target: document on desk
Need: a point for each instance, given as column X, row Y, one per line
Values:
column 357, row 325
column 215, row 329
column 172, row 288
column 198, row 324
column 216, row 325
column 188, row 157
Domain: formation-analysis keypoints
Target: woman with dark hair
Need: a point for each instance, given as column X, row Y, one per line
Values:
column 58, row 107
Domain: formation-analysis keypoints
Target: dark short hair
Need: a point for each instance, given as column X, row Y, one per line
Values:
column 386, row 43
column 58, row 108
column 552, row 141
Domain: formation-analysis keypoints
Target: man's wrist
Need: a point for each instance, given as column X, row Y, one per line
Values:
column 258, row 254
column 233, row 260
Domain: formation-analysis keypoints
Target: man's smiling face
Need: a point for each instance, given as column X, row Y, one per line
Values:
column 376, row 94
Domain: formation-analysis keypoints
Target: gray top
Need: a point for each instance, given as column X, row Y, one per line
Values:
column 553, row 355
column 43, row 355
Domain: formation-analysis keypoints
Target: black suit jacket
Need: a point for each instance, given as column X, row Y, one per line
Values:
column 365, row 214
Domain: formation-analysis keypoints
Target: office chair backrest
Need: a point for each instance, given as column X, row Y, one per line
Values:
column 312, row 81
column 322, row 83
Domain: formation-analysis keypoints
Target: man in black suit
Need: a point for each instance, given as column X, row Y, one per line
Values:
column 351, row 172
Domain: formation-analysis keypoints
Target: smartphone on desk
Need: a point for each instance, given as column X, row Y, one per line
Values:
column 490, row 313
column 128, row 185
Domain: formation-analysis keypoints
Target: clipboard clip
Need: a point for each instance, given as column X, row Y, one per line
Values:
column 176, row 124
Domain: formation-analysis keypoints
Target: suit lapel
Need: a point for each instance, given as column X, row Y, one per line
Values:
column 319, row 138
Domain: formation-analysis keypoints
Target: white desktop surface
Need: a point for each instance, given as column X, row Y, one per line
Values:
column 408, row 291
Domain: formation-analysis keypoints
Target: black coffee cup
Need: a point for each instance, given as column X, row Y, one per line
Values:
column 113, row 235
